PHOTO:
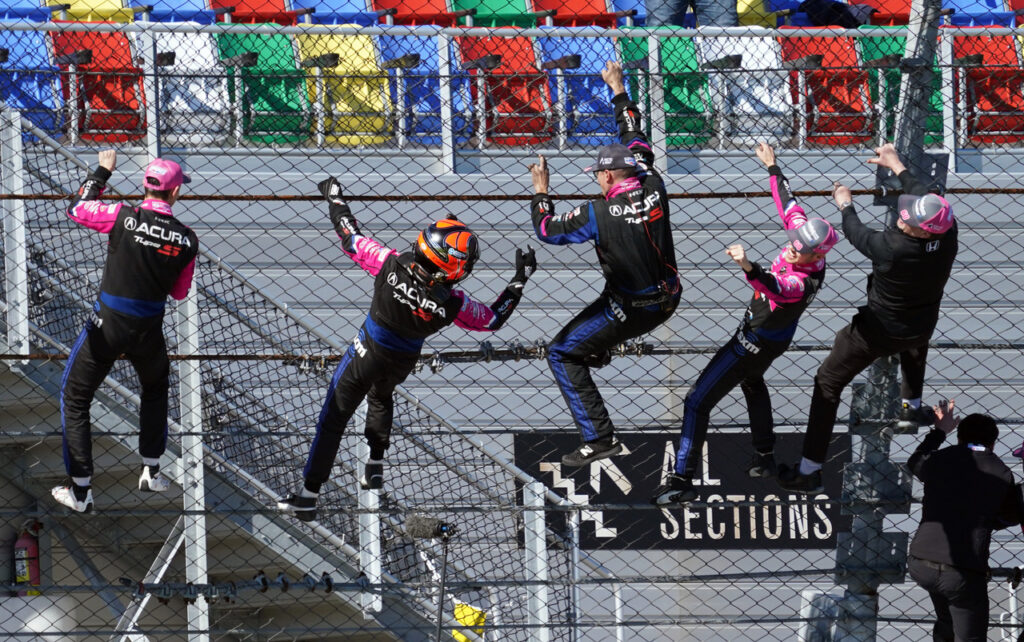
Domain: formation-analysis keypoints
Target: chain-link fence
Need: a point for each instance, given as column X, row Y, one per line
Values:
column 440, row 113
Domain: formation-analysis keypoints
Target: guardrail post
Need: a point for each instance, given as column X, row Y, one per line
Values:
column 369, row 526
column 12, row 181
column 536, row 550
column 192, row 467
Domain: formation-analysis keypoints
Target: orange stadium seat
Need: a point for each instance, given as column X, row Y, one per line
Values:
column 828, row 82
column 101, row 85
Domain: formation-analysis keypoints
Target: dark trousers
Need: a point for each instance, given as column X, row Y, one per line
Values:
column 369, row 372
column 99, row 345
column 856, row 347
column 734, row 364
column 960, row 598
column 600, row 326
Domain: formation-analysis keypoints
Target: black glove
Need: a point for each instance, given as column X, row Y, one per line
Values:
column 526, row 265
column 341, row 216
column 331, row 190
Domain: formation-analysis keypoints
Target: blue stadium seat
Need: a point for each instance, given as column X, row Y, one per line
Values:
column 422, row 93
column 977, row 13
column 28, row 80
column 585, row 100
column 12, row 10
column 338, row 12
column 180, row 11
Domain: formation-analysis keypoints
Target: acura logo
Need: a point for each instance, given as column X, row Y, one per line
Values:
column 130, row 223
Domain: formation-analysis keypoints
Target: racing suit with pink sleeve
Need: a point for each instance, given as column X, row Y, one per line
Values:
column 781, row 293
column 403, row 313
column 150, row 256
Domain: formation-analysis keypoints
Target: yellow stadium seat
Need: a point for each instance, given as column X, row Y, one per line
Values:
column 97, row 11
column 351, row 101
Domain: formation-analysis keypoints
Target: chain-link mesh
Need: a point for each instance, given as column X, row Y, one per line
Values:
column 421, row 120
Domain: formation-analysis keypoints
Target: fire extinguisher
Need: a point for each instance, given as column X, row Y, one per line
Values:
column 26, row 557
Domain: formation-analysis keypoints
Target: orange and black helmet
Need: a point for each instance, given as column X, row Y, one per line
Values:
column 447, row 250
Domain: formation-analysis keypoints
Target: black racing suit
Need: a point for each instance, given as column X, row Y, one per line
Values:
column 781, row 294
column 632, row 233
column 968, row 493
column 150, row 255
column 402, row 314
column 908, row 276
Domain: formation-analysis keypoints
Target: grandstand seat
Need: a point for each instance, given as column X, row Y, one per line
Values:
column 749, row 87
column 347, row 88
column 977, row 13
column 688, row 109
column 583, row 13
column 583, row 99
column 101, row 85
column 989, row 88
column 417, row 91
column 28, row 79
column 12, row 10
column 181, row 11
column 788, row 13
column 881, row 55
column 888, row 13
column 754, row 13
column 419, row 12
column 271, row 94
column 829, row 84
column 98, row 11
column 339, row 12
column 638, row 19
column 503, row 13
column 258, row 11
column 509, row 88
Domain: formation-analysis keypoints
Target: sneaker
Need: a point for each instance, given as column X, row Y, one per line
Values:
column 592, row 451
column 793, row 480
column 303, row 508
column 373, row 476
column 762, row 465
column 911, row 417
column 66, row 495
column 676, row 490
column 153, row 482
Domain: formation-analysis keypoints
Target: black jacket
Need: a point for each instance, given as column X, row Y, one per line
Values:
column 630, row 229
column 908, row 275
column 968, row 493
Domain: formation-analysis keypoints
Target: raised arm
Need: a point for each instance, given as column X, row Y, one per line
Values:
column 478, row 317
column 629, row 121
column 366, row 252
column 785, row 289
column 871, row 243
column 791, row 213
column 577, row 226
column 886, row 156
column 84, row 208
column 945, row 423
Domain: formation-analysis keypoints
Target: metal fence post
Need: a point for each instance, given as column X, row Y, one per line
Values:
column 536, row 551
column 444, row 66
column 369, row 527
column 12, row 181
column 656, row 87
column 192, row 478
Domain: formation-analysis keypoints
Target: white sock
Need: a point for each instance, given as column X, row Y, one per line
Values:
column 807, row 466
column 82, row 481
column 913, row 403
column 307, row 493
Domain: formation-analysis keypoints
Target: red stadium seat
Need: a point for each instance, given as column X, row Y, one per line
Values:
column 516, row 96
column 420, row 12
column 101, row 85
column 581, row 13
column 889, row 13
column 989, row 88
column 258, row 11
column 829, row 83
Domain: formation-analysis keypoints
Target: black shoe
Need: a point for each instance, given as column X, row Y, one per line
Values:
column 303, row 508
column 911, row 417
column 592, row 451
column 676, row 490
column 373, row 476
column 793, row 480
column 762, row 465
